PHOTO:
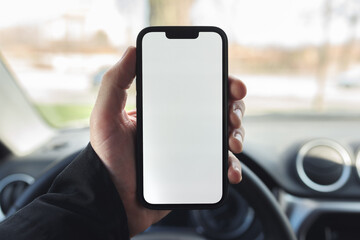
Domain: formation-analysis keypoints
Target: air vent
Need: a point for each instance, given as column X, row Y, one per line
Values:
column 358, row 163
column 323, row 165
column 11, row 187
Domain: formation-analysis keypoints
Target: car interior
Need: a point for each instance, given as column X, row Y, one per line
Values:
column 299, row 60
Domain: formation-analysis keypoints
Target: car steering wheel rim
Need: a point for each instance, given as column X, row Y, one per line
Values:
column 275, row 223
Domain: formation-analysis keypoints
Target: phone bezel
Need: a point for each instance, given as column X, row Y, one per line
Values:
column 180, row 32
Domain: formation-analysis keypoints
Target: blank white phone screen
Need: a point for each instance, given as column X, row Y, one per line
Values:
column 182, row 119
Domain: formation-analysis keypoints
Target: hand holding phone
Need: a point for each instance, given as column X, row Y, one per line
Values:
column 113, row 130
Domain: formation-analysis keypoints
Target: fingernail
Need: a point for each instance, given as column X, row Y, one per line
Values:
column 236, row 168
column 237, row 111
column 127, row 50
column 238, row 136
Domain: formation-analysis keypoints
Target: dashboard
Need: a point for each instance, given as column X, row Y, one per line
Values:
column 311, row 164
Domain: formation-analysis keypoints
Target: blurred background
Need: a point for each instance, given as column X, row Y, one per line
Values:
column 296, row 56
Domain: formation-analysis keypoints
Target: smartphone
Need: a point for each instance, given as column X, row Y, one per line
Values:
column 182, row 136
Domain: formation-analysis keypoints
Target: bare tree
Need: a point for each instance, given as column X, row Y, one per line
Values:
column 170, row 12
column 350, row 10
column 323, row 57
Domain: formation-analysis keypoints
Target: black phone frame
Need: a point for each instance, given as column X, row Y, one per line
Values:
column 180, row 32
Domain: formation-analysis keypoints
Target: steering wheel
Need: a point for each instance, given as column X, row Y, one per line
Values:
column 274, row 222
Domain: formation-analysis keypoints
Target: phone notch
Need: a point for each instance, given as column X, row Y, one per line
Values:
column 182, row 34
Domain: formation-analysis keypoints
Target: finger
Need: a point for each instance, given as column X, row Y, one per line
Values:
column 122, row 73
column 132, row 113
column 237, row 89
column 236, row 113
column 236, row 139
column 111, row 99
column 234, row 170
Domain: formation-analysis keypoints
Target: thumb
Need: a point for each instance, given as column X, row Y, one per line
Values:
column 123, row 72
column 111, row 99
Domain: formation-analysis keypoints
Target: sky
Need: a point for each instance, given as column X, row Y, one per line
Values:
column 287, row 23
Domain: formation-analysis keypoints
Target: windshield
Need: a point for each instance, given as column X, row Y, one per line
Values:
column 294, row 56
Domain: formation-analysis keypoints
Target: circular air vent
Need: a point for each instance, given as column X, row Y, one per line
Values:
column 11, row 187
column 323, row 165
column 358, row 162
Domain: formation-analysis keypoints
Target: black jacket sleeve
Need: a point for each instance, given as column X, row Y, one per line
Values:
column 82, row 203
